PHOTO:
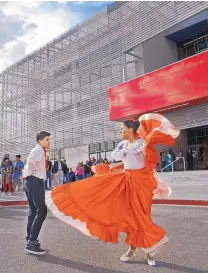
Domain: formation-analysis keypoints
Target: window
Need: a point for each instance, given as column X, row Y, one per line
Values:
column 190, row 50
column 197, row 136
column 200, row 140
column 201, row 133
column 92, row 148
column 193, row 45
column 191, row 133
column 202, row 45
column 97, row 147
column 191, row 141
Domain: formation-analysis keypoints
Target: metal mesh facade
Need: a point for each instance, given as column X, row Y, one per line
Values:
column 62, row 87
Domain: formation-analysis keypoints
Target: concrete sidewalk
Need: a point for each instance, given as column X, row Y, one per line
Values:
column 189, row 188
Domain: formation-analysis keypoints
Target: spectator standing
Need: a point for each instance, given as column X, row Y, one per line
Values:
column 58, row 173
column 190, row 159
column 48, row 174
column 7, row 176
column 79, row 172
column 87, row 170
column 173, row 158
column 195, row 158
column 168, row 161
column 93, row 160
column 71, row 176
column 180, row 160
column 65, row 170
column 2, row 174
column 201, row 158
column 162, row 159
column 90, row 163
column 17, row 174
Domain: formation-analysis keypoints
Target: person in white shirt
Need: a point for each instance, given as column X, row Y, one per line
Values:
column 35, row 175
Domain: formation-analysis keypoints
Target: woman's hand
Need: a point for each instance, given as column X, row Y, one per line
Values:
column 116, row 166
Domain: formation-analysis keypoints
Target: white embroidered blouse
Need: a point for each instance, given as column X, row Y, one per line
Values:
column 132, row 155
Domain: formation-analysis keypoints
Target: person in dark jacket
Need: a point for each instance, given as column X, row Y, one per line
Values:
column 48, row 173
column 190, row 160
column 87, row 170
column 65, row 170
column 71, row 176
column 58, row 173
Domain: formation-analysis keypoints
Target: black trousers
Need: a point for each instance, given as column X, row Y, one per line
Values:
column 190, row 165
column 35, row 192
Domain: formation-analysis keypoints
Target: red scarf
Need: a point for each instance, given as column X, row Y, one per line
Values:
column 46, row 161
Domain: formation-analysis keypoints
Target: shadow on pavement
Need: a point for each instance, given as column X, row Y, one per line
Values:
column 77, row 265
column 51, row 259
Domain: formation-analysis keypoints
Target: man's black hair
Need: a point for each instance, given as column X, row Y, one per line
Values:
column 19, row 156
column 42, row 135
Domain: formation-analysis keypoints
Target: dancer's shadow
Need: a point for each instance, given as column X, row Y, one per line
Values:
column 97, row 269
column 77, row 265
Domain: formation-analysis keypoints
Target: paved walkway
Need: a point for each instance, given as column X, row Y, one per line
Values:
column 72, row 252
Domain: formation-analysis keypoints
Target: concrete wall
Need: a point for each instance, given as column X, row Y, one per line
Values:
column 158, row 52
column 188, row 22
column 75, row 155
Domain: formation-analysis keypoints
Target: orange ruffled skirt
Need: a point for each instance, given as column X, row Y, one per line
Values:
column 108, row 204
column 112, row 202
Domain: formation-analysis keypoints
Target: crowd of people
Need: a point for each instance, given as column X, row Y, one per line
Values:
column 192, row 159
column 57, row 173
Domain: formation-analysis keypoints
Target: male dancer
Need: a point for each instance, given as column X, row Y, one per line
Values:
column 35, row 176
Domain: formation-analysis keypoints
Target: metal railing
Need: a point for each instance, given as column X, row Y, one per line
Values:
column 172, row 164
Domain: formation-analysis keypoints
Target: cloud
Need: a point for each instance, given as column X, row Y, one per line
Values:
column 26, row 26
column 9, row 22
column 91, row 3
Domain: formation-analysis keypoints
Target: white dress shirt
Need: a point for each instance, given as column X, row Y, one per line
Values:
column 36, row 163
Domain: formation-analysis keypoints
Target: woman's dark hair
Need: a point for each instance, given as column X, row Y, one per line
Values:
column 42, row 135
column 132, row 125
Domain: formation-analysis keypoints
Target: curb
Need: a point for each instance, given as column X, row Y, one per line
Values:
column 13, row 203
column 202, row 203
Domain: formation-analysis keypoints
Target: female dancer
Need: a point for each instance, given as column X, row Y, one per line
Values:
column 114, row 201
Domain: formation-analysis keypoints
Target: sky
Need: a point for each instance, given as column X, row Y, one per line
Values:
column 26, row 26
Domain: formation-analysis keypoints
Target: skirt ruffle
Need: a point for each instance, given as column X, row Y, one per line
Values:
column 107, row 204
